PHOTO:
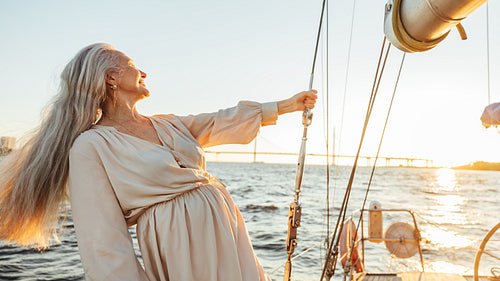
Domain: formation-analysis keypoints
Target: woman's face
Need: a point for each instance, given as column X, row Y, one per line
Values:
column 131, row 79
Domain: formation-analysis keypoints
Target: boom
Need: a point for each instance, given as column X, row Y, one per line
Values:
column 420, row 25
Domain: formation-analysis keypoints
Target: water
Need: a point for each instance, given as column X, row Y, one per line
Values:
column 455, row 210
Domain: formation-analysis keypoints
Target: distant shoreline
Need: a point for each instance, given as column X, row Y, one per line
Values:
column 475, row 166
column 480, row 166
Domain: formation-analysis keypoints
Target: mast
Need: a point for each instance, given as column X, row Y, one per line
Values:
column 420, row 25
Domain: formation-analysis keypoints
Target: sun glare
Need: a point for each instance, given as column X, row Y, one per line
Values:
column 448, row 203
column 447, row 267
column 447, row 208
column 446, row 179
column 444, row 238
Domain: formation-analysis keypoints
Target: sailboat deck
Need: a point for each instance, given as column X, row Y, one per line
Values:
column 415, row 276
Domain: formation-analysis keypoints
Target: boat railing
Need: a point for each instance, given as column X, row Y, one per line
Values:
column 361, row 239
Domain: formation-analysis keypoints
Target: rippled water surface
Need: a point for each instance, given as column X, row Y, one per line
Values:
column 454, row 211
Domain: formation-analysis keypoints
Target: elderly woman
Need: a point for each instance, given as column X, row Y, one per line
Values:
column 124, row 168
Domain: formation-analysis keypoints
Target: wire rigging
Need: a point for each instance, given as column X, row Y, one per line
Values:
column 383, row 133
column 339, row 145
column 327, row 129
column 295, row 209
column 378, row 150
column 331, row 258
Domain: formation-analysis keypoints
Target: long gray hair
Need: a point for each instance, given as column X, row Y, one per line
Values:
column 33, row 179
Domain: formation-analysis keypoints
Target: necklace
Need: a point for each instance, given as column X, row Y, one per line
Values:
column 171, row 149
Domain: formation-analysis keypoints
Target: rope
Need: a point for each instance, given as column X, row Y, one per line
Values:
column 327, row 131
column 495, row 271
column 326, row 114
column 381, row 139
column 343, row 208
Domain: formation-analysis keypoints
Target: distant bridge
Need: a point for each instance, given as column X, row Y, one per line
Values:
column 401, row 161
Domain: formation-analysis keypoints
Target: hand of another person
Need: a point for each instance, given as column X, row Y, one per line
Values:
column 491, row 115
column 298, row 102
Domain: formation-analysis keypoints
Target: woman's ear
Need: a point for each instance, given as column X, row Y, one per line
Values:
column 111, row 78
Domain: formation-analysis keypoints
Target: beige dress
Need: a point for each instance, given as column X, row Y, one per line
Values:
column 188, row 226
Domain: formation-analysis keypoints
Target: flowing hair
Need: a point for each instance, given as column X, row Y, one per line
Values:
column 33, row 178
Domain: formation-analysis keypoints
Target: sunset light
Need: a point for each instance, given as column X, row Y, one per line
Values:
column 173, row 133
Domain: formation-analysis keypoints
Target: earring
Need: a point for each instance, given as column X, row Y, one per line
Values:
column 113, row 87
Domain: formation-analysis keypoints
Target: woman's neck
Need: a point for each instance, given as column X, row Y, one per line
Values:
column 120, row 112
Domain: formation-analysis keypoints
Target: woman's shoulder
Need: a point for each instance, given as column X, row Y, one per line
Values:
column 168, row 118
column 86, row 141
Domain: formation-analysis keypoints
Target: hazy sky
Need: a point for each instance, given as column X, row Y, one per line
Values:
column 204, row 55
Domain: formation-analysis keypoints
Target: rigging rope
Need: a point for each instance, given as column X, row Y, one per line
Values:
column 327, row 127
column 378, row 150
column 345, row 86
column 331, row 257
column 383, row 133
column 376, row 84
column 341, row 120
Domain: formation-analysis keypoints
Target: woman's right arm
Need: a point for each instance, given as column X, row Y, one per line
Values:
column 104, row 242
column 241, row 124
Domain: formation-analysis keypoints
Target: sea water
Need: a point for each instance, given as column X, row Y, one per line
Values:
column 454, row 210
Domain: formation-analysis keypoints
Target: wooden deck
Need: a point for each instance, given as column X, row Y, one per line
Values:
column 415, row 276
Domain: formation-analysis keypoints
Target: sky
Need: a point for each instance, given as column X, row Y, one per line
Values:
column 201, row 56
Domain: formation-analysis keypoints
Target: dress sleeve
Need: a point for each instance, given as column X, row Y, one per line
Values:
column 235, row 125
column 104, row 242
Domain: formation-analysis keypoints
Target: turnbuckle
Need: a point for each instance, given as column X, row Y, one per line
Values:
column 291, row 237
column 293, row 223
